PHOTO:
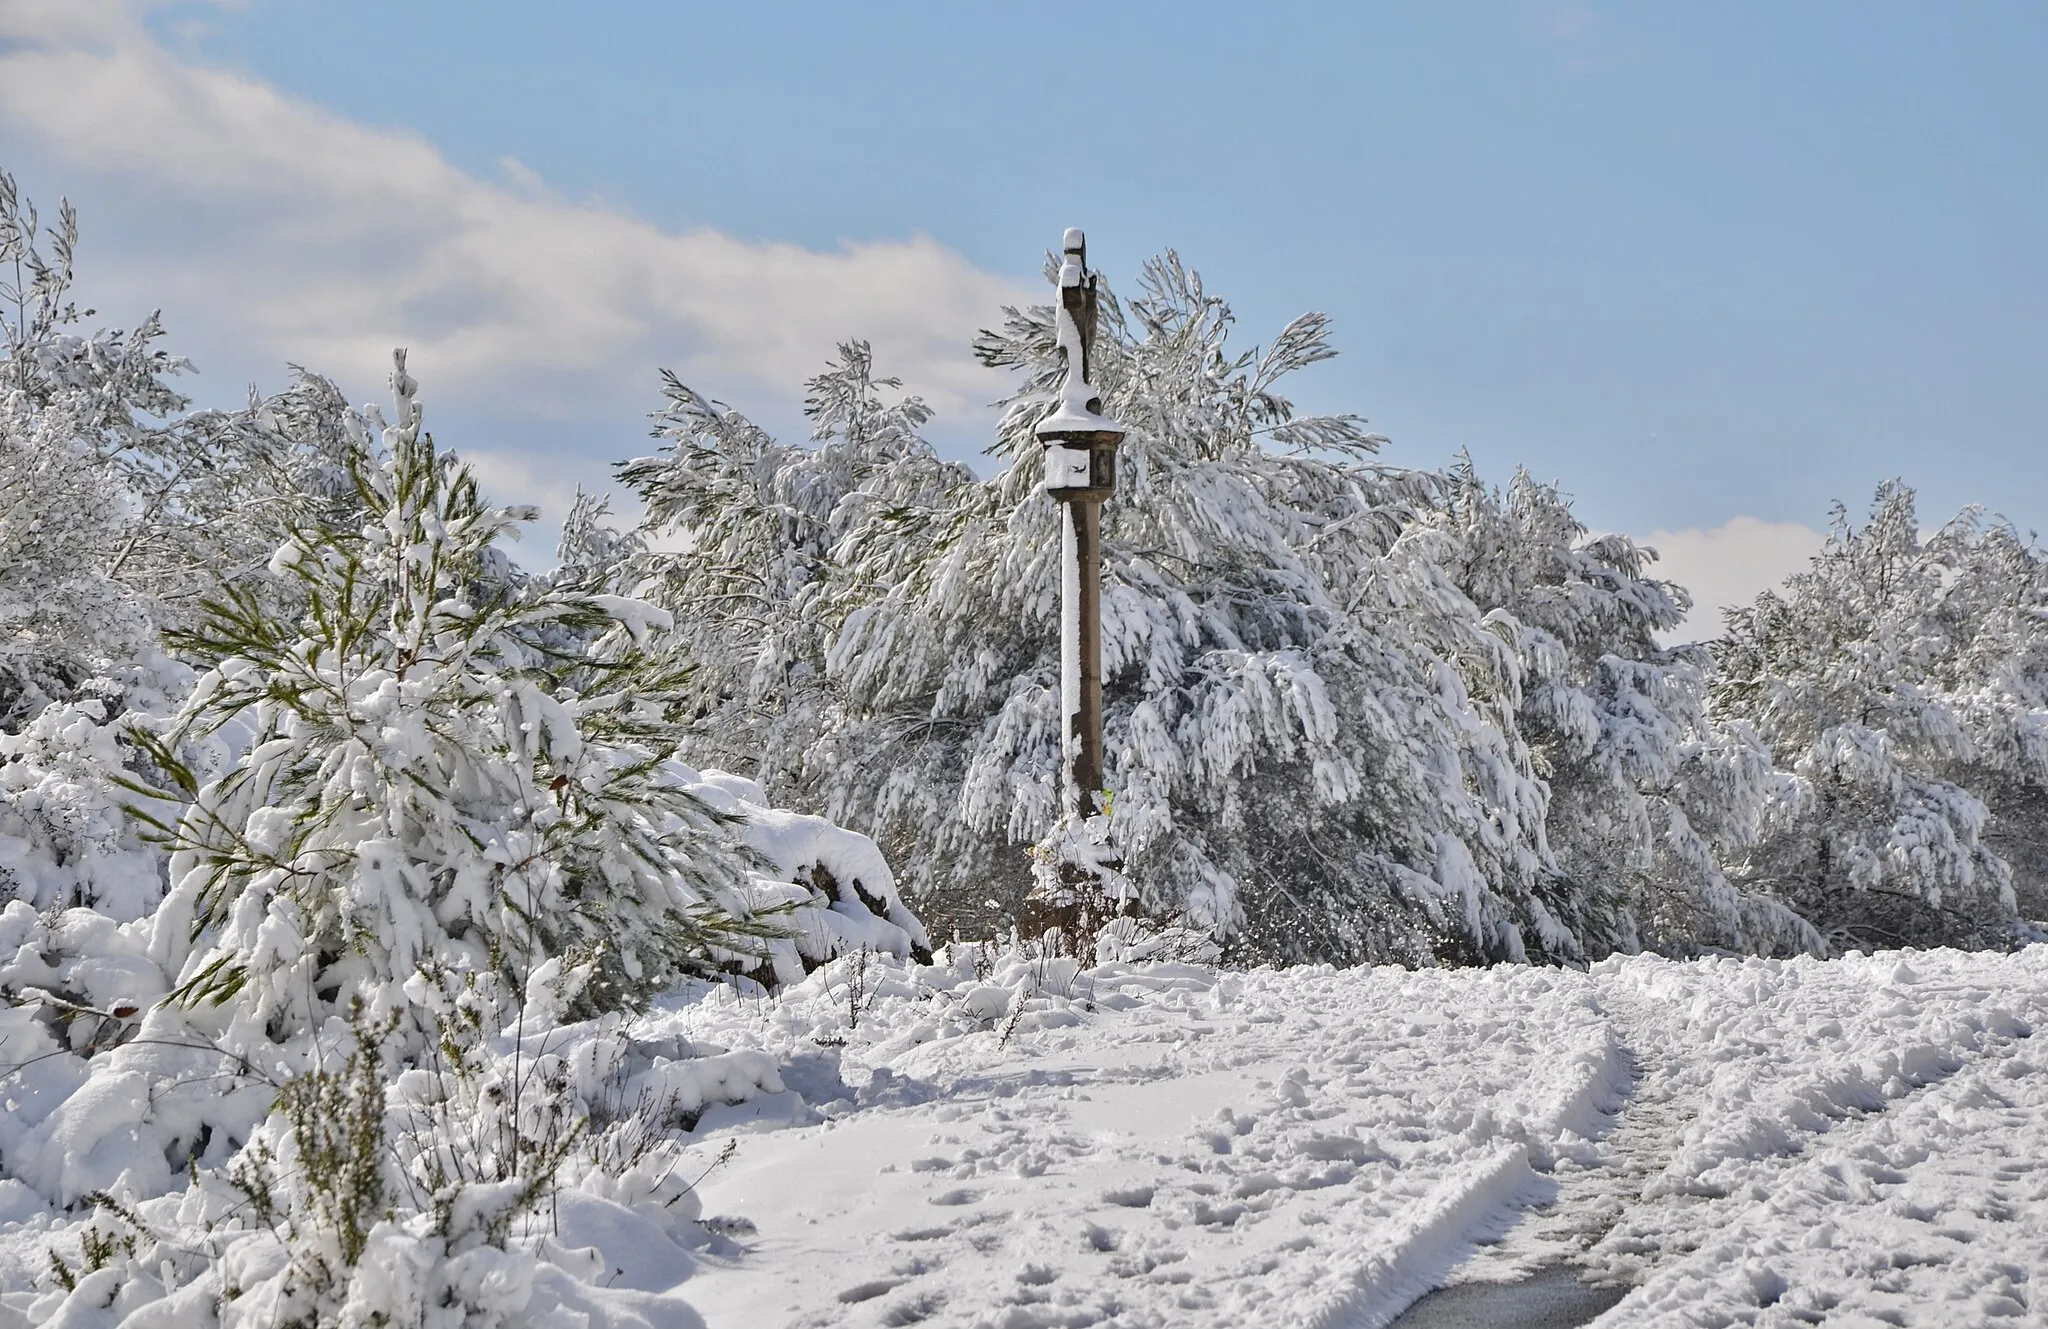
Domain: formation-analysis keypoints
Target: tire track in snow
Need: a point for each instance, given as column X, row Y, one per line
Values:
column 1736, row 1087
column 1932, row 1211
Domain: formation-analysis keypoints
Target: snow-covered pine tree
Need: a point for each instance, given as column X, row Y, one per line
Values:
column 755, row 587
column 1895, row 681
column 1303, row 716
column 1994, row 619
column 592, row 551
column 1648, row 798
column 144, row 504
column 429, row 778
column 1314, row 732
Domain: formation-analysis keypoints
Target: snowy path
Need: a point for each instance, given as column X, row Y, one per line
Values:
column 1853, row 1141
column 1882, row 1160
column 1006, row 1143
column 1271, row 1149
column 1169, row 1146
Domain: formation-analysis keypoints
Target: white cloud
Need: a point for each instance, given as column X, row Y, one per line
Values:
column 1729, row 565
column 290, row 233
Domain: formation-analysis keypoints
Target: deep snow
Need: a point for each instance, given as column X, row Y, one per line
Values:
column 1865, row 1137
column 1000, row 1141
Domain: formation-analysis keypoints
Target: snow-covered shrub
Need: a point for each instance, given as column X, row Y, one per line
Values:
column 1899, row 683
column 316, row 1182
column 422, row 1191
column 394, row 1195
column 64, row 837
column 430, row 778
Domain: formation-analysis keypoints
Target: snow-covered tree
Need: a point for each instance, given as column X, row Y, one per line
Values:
column 428, row 778
column 1334, row 689
column 1994, row 622
column 591, row 550
column 62, row 616
column 120, row 507
column 1897, row 682
column 1648, row 798
column 756, row 587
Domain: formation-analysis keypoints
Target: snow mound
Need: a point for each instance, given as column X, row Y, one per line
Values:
column 833, row 885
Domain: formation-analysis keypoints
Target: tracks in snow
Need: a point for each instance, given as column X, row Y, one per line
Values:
column 1716, row 1117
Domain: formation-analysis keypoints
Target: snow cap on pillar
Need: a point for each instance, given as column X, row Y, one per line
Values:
column 1079, row 440
column 1080, row 405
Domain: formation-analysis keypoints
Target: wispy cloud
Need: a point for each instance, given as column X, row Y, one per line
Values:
column 291, row 233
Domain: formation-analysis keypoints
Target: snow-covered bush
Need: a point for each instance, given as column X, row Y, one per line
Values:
column 397, row 1185
column 429, row 778
column 1900, row 683
column 830, row 888
column 65, row 838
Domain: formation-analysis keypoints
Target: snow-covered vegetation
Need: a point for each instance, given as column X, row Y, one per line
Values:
column 391, row 935
column 1353, row 711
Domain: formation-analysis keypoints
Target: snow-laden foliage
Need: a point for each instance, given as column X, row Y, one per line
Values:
column 1334, row 689
column 65, row 838
column 417, row 830
column 428, row 779
column 753, row 583
column 1649, row 797
column 61, row 613
column 591, row 549
column 120, row 507
column 1899, row 684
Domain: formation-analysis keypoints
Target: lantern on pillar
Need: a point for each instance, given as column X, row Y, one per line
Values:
column 1077, row 874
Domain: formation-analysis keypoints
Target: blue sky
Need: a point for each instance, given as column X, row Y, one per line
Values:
column 1700, row 262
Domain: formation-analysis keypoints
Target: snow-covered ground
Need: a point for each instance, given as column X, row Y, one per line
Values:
column 1000, row 1141
column 1863, row 1141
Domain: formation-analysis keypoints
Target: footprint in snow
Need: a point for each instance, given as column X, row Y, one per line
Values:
column 868, row 1291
